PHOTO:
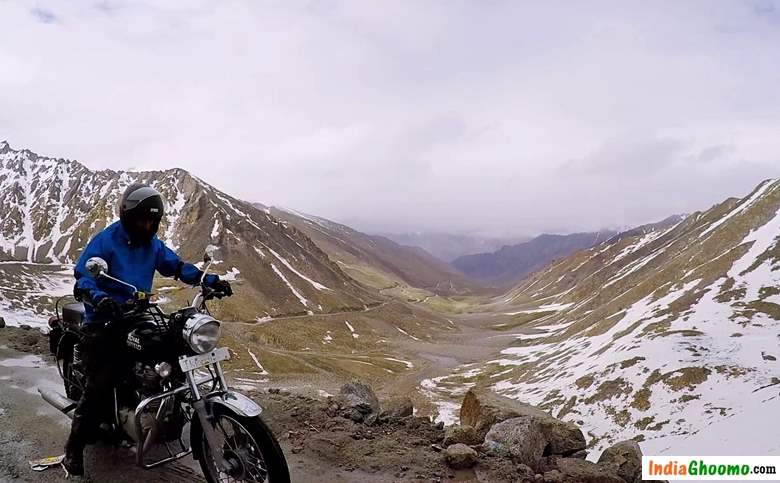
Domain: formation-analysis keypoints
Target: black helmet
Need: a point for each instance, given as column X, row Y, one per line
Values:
column 141, row 203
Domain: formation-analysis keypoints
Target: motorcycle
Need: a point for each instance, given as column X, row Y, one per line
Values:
column 174, row 380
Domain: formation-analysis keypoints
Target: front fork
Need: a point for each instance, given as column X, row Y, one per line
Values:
column 198, row 403
column 201, row 409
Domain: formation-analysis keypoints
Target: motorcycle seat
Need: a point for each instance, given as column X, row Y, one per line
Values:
column 73, row 314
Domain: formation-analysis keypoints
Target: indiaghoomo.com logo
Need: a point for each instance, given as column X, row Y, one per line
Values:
column 711, row 468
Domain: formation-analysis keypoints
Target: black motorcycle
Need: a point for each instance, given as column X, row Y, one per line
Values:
column 173, row 381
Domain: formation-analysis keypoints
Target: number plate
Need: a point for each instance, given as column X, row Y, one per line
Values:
column 188, row 364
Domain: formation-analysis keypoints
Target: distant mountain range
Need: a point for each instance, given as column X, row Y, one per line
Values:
column 448, row 246
column 510, row 264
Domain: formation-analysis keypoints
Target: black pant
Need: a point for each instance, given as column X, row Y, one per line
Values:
column 103, row 353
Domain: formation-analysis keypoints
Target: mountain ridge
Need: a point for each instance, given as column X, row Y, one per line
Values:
column 54, row 206
column 510, row 264
column 641, row 333
column 378, row 261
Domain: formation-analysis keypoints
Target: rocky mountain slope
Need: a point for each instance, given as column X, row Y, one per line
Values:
column 510, row 264
column 668, row 331
column 376, row 260
column 296, row 312
column 51, row 207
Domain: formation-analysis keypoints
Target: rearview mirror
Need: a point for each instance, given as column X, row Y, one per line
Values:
column 96, row 266
column 208, row 255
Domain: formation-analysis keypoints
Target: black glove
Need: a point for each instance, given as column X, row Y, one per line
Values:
column 108, row 307
column 222, row 286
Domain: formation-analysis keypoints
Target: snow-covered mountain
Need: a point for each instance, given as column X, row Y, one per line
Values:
column 670, row 331
column 49, row 208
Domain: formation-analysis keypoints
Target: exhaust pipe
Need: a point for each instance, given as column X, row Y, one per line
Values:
column 59, row 401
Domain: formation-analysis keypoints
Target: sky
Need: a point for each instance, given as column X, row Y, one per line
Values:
column 485, row 117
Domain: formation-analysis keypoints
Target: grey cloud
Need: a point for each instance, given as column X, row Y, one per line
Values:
column 491, row 117
column 43, row 15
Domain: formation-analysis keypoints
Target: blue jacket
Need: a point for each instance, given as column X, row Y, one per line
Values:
column 134, row 264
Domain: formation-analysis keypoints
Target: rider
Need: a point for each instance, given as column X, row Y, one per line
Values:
column 133, row 252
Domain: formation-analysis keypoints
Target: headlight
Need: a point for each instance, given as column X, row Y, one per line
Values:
column 201, row 332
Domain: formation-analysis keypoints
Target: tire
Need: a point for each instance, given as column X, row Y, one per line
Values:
column 266, row 445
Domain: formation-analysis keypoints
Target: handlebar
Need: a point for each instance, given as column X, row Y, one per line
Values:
column 210, row 294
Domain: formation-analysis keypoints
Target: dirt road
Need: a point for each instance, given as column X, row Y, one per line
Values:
column 316, row 443
column 31, row 429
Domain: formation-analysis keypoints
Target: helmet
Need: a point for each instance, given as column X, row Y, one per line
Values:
column 140, row 211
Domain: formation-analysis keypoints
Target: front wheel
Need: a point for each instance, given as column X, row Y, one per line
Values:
column 248, row 447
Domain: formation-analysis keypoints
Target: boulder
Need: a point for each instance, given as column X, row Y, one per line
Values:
column 518, row 438
column 582, row 454
column 564, row 438
column 459, row 456
column 625, row 458
column 460, row 434
column 357, row 398
column 483, row 408
column 399, row 407
column 575, row 470
column 2, row 323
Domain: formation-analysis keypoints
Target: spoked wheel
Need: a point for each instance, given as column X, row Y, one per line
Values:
column 250, row 451
column 73, row 381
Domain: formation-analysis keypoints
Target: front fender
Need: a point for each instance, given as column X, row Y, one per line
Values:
column 236, row 402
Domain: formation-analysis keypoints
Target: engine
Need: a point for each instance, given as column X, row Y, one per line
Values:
column 149, row 381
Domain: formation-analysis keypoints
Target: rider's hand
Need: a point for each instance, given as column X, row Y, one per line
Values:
column 108, row 307
column 223, row 286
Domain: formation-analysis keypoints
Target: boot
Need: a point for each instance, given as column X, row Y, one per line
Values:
column 74, row 456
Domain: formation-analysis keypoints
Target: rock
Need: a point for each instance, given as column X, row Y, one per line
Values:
column 563, row 437
column 358, row 396
column 582, row 471
column 2, row 323
column 518, row 438
column 582, row 454
column 626, row 458
column 460, row 434
column 371, row 419
column 25, row 327
column 354, row 415
column 399, row 407
column 459, row 456
column 482, row 409
column 333, row 409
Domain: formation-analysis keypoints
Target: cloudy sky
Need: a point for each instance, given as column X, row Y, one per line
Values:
column 462, row 116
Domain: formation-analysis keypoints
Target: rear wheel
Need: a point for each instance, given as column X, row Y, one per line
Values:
column 72, row 378
column 247, row 446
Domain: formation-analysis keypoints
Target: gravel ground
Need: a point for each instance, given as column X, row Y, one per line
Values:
column 314, row 442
